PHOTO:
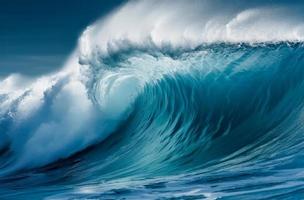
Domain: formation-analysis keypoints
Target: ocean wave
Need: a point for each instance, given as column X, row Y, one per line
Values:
column 159, row 94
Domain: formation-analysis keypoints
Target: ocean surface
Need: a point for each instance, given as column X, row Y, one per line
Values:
column 152, row 105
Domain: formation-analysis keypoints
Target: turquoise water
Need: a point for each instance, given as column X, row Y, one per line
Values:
column 224, row 122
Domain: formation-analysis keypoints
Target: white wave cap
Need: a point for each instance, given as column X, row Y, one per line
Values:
column 185, row 23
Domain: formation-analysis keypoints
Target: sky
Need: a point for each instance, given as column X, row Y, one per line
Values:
column 37, row 36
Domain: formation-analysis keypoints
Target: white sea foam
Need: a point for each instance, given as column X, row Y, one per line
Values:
column 188, row 24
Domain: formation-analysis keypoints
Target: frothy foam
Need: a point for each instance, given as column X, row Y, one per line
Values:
column 185, row 24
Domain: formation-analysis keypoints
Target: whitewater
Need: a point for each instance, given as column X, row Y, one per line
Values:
column 188, row 99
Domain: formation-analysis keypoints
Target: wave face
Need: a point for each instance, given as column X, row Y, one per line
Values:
column 151, row 105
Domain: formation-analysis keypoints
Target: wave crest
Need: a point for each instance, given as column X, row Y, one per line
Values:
column 187, row 25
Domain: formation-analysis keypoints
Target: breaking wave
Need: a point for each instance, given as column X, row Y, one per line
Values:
column 201, row 98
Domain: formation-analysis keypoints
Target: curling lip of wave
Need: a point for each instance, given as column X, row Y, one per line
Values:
column 162, row 24
column 138, row 24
